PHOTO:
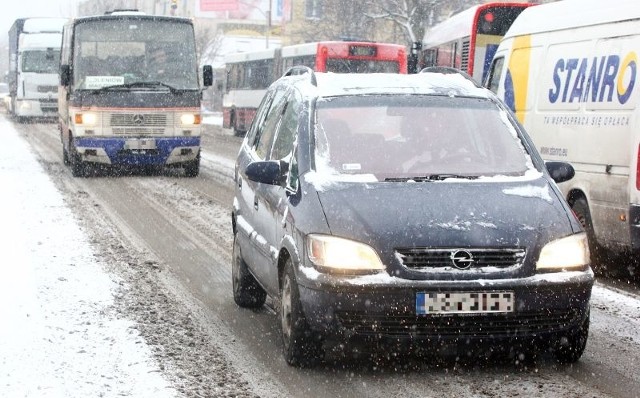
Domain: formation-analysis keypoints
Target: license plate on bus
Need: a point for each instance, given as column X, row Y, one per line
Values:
column 140, row 144
column 428, row 303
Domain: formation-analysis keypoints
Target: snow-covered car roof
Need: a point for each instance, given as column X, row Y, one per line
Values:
column 338, row 84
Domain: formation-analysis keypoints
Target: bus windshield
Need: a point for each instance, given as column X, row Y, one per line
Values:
column 41, row 61
column 115, row 52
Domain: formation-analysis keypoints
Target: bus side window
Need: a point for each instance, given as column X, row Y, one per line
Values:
column 493, row 79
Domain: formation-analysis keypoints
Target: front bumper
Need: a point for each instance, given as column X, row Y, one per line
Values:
column 36, row 108
column 173, row 150
column 545, row 307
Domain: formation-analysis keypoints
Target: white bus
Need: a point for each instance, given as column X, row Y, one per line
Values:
column 468, row 40
column 569, row 71
column 249, row 74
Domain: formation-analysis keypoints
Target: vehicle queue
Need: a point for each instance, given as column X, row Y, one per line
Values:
column 139, row 135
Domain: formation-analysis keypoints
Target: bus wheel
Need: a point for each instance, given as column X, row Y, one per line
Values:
column 192, row 168
column 65, row 155
column 78, row 169
column 582, row 212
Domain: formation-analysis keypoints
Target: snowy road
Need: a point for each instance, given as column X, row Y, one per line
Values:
column 168, row 239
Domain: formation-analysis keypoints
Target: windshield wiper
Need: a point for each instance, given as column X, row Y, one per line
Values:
column 431, row 177
column 151, row 84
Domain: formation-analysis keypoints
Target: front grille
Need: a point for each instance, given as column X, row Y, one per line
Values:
column 47, row 89
column 138, row 131
column 138, row 119
column 456, row 326
column 430, row 258
column 464, row 57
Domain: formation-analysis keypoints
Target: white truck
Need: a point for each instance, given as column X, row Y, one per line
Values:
column 34, row 59
column 570, row 71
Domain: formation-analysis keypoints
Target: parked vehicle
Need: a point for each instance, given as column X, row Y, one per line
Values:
column 410, row 209
column 34, row 57
column 572, row 81
column 130, row 92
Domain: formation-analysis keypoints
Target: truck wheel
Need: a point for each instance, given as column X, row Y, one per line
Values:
column 247, row 292
column 192, row 168
column 570, row 348
column 301, row 346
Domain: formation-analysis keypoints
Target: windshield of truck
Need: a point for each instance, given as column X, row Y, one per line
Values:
column 41, row 61
column 128, row 52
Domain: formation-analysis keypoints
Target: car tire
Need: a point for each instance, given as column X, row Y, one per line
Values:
column 570, row 348
column 301, row 346
column 598, row 253
column 247, row 293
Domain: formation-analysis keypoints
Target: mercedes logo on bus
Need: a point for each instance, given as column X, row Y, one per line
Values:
column 138, row 119
column 462, row 259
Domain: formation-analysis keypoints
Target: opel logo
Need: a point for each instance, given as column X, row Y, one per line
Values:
column 462, row 259
column 138, row 119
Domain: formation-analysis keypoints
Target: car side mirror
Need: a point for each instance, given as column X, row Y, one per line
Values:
column 207, row 75
column 560, row 171
column 65, row 75
column 265, row 172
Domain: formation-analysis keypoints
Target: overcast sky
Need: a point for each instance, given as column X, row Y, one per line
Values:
column 14, row 9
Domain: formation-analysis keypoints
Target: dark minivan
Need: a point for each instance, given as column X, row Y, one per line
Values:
column 405, row 208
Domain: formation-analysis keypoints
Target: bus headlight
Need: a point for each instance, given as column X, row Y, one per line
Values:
column 342, row 255
column 86, row 118
column 571, row 252
column 190, row 118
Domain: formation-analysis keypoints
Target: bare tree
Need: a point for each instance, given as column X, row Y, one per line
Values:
column 412, row 17
column 208, row 39
column 339, row 20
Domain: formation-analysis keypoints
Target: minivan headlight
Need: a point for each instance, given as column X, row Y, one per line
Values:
column 571, row 252
column 342, row 255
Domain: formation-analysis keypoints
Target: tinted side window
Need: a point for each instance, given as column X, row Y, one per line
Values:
column 265, row 112
column 258, row 120
column 283, row 144
column 266, row 134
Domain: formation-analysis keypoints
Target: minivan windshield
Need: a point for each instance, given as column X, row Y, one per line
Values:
column 416, row 137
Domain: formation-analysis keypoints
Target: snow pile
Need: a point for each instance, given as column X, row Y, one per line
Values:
column 59, row 336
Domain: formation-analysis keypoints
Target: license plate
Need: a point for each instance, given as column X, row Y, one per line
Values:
column 464, row 303
column 140, row 144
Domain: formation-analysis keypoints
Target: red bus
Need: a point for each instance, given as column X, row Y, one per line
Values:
column 468, row 40
column 250, row 73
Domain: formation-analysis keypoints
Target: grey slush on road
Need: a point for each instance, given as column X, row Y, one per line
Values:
column 409, row 209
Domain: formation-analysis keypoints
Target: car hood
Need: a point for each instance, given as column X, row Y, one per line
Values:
column 463, row 214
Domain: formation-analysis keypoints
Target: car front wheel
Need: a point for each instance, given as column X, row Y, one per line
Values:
column 571, row 347
column 247, row 292
column 301, row 346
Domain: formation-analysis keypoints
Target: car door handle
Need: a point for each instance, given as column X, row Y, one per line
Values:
column 239, row 182
column 255, row 202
